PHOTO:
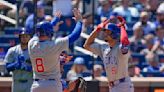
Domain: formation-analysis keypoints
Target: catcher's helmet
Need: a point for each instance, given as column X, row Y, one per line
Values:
column 44, row 28
column 114, row 29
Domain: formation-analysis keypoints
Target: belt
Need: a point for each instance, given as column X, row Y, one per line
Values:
column 44, row 79
column 22, row 81
column 113, row 83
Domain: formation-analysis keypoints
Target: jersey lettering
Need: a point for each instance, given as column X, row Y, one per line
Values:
column 114, row 70
column 39, row 65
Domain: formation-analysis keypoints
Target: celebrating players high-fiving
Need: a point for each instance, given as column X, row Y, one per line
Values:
column 45, row 51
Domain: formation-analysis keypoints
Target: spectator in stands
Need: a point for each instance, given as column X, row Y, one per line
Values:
column 97, row 72
column 40, row 16
column 151, row 7
column 148, row 27
column 159, row 40
column 26, row 9
column 160, row 15
column 134, row 71
column 2, row 26
column 140, row 4
column 88, row 23
column 87, row 27
column 105, row 9
column 149, row 42
column 126, row 10
column 137, row 40
column 65, row 6
column 77, row 69
column 153, row 61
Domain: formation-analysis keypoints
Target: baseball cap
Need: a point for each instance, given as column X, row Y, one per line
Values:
column 79, row 61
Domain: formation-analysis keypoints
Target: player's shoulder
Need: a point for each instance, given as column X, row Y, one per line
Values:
column 14, row 48
column 71, row 72
column 34, row 38
column 58, row 40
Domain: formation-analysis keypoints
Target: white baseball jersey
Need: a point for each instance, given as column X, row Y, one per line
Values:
column 116, row 63
column 19, row 74
column 45, row 57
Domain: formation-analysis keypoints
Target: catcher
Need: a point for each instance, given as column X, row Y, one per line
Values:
column 78, row 85
column 114, row 53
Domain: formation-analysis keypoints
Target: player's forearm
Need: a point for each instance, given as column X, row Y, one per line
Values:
column 90, row 40
column 76, row 33
column 124, row 41
column 124, row 37
column 10, row 66
column 27, row 68
column 55, row 21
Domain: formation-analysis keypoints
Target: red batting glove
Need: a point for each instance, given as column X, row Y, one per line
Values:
column 102, row 25
column 124, row 37
column 122, row 21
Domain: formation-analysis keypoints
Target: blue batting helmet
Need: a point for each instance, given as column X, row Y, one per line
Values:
column 44, row 28
column 23, row 31
column 115, row 30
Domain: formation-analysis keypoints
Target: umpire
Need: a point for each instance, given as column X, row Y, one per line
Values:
column 18, row 62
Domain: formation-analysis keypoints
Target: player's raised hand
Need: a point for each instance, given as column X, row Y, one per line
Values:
column 77, row 14
column 102, row 25
column 56, row 27
column 58, row 14
column 122, row 21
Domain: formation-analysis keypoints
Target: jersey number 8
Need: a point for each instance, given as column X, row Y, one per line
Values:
column 39, row 65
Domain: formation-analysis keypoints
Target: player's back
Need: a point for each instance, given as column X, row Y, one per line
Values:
column 45, row 57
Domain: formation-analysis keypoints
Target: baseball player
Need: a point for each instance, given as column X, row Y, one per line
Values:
column 114, row 53
column 44, row 54
column 18, row 61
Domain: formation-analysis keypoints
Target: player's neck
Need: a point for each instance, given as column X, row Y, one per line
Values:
column 24, row 46
column 44, row 38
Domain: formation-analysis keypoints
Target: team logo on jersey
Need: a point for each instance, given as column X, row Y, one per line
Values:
column 111, row 60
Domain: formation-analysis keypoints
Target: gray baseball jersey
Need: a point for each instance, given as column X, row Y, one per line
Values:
column 45, row 57
column 116, row 63
column 18, row 75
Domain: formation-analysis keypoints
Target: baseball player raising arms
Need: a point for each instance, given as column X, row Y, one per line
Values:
column 44, row 54
column 114, row 53
column 18, row 61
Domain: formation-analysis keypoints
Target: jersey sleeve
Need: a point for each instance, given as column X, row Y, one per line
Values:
column 62, row 43
column 9, row 58
column 30, row 43
column 97, row 49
